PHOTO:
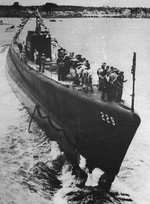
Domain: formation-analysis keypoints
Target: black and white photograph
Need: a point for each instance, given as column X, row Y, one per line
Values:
column 74, row 101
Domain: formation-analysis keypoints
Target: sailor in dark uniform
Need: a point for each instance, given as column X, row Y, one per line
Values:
column 23, row 54
column 119, row 83
column 42, row 62
column 20, row 47
column 105, row 87
column 60, row 64
column 112, row 86
column 85, row 81
column 67, row 65
column 101, row 73
column 62, row 72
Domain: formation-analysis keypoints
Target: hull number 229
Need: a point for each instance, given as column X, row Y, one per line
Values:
column 108, row 119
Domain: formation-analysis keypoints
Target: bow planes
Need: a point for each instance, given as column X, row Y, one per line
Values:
column 70, row 111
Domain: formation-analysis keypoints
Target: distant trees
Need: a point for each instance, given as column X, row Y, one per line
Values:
column 52, row 9
column 49, row 7
column 16, row 5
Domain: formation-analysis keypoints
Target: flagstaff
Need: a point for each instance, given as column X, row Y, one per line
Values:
column 133, row 80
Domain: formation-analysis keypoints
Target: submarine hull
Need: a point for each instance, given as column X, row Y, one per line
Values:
column 100, row 131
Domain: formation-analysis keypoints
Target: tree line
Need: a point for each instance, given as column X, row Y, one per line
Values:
column 17, row 10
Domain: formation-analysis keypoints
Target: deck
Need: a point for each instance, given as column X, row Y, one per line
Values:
column 51, row 73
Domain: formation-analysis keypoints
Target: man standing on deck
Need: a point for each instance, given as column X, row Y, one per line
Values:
column 119, row 84
column 23, row 54
column 60, row 62
column 112, row 85
column 35, row 55
column 101, row 73
column 42, row 62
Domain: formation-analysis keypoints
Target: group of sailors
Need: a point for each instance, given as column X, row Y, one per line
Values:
column 78, row 66
column 110, row 82
column 78, row 69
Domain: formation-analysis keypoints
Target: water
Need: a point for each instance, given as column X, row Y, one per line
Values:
column 32, row 168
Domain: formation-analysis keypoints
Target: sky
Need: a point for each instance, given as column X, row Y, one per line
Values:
column 117, row 3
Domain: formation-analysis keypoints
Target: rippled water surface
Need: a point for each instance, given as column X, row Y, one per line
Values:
column 32, row 168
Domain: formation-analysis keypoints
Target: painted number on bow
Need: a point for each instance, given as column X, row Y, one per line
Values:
column 108, row 119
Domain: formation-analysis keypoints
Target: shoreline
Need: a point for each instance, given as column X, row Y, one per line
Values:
column 50, row 10
column 57, row 17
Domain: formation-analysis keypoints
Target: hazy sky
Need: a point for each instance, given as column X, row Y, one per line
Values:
column 130, row 3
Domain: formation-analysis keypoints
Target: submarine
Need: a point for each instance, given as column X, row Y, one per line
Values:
column 81, row 123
